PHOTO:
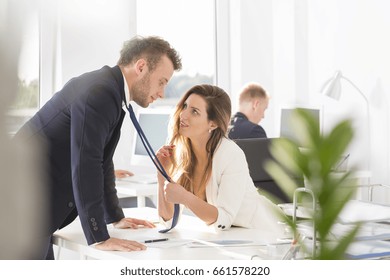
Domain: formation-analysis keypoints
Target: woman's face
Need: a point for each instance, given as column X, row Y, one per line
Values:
column 194, row 122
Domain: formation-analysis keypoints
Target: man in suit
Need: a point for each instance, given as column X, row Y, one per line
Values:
column 80, row 127
column 253, row 101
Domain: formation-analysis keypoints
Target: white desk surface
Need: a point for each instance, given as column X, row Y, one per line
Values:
column 189, row 229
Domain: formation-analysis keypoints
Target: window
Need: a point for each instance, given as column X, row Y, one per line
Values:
column 189, row 26
column 26, row 102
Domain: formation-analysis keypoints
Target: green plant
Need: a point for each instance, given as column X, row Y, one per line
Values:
column 315, row 163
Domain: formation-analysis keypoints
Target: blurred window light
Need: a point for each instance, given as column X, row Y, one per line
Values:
column 189, row 26
column 26, row 101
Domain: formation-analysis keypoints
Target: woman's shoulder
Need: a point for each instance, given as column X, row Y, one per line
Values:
column 229, row 148
column 228, row 154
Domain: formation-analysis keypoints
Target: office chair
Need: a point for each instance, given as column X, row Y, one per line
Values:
column 257, row 152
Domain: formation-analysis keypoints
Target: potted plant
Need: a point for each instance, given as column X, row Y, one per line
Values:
column 331, row 190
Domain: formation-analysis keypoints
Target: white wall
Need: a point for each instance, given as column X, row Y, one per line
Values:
column 85, row 35
column 350, row 36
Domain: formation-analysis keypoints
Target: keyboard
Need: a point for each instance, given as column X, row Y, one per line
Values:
column 147, row 178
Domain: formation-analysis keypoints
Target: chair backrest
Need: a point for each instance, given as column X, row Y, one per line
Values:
column 257, row 152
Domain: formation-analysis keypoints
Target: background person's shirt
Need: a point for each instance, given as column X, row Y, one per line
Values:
column 242, row 128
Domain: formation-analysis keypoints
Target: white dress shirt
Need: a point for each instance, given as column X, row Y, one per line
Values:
column 127, row 91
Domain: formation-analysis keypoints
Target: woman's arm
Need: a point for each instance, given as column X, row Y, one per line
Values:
column 165, row 208
column 232, row 180
column 175, row 193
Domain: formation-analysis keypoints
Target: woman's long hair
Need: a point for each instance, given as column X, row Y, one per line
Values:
column 218, row 106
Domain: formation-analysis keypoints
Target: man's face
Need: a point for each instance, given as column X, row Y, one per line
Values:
column 259, row 111
column 151, row 85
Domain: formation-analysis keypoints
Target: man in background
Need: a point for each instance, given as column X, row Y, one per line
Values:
column 253, row 101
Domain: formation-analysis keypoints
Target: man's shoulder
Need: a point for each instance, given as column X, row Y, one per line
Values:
column 104, row 73
column 109, row 78
column 241, row 128
column 246, row 129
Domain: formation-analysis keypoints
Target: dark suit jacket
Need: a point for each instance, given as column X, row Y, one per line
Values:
column 242, row 128
column 80, row 126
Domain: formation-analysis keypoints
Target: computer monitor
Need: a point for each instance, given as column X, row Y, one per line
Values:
column 288, row 128
column 154, row 123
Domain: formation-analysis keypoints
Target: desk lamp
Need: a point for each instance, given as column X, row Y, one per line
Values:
column 332, row 88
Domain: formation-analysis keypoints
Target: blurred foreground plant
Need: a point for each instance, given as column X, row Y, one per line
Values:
column 315, row 163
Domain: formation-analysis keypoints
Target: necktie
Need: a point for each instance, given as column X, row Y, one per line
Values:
column 156, row 162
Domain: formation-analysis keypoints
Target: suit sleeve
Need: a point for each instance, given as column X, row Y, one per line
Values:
column 92, row 122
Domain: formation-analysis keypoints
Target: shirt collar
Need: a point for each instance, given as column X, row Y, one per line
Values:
column 241, row 115
column 127, row 92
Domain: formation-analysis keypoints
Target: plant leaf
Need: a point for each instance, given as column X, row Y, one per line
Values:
column 315, row 163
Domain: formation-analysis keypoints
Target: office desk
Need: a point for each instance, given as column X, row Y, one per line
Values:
column 141, row 191
column 189, row 229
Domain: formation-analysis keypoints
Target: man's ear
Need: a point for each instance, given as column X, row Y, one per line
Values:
column 255, row 103
column 140, row 66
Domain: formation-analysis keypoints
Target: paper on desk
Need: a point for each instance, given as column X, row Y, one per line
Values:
column 356, row 211
column 169, row 243
column 373, row 249
column 373, row 231
column 222, row 243
column 367, row 231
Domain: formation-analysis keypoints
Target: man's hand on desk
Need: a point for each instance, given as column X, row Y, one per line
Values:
column 133, row 223
column 119, row 173
column 116, row 244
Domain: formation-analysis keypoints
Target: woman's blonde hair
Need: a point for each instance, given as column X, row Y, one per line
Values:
column 218, row 107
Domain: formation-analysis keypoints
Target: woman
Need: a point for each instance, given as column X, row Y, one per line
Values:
column 209, row 172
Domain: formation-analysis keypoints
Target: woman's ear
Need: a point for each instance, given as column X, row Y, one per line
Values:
column 212, row 126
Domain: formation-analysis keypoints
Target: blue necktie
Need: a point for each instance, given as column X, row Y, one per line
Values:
column 156, row 162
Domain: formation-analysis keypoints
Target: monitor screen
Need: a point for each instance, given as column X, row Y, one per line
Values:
column 154, row 123
column 287, row 127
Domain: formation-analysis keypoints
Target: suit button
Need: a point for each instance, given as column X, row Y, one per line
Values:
column 95, row 228
column 94, row 224
column 70, row 204
column 92, row 220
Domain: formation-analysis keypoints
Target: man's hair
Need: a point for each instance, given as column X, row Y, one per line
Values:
column 151, row 49
column 251, row 91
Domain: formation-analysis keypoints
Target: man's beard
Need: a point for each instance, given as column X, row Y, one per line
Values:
column 140, row 91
